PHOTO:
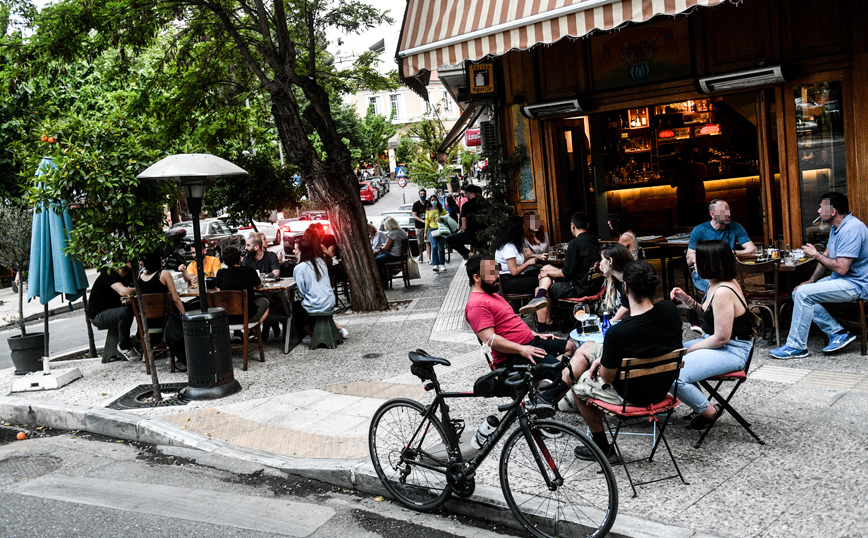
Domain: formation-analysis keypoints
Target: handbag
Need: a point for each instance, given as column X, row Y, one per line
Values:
column 173, row 330
column 446, row 225
column 413, row 269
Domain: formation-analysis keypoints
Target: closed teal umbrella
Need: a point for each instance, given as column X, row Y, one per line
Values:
column 52, row 271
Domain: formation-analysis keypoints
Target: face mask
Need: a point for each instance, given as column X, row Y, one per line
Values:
column 422, row 197
column 434, row 203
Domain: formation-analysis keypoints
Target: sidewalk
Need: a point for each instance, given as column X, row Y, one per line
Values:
column 34, row 310
column 308, row 413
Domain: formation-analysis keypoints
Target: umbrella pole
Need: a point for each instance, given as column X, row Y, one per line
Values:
column 45, row 367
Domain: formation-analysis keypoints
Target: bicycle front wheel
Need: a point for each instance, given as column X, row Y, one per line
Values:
column 583, row 499
column 409, row 453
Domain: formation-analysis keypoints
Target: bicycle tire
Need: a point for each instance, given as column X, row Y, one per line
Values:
column 389, row 436
column 585, row 505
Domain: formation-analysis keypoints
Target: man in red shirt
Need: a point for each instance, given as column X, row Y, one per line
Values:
column 510, row 339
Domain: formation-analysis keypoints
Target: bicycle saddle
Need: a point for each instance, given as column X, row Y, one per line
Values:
column 422, row 358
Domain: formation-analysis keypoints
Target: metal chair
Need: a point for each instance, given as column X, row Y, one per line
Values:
column 156, row 306
column 627, row 413
column 767, row 295
column 738, row 378
column 399, row 268
column 235, row 304
column 520, row 298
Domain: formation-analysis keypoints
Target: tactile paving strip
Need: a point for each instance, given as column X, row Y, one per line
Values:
column 832, row 380
column 778, row 374
column 246, row 433
column 378, row 389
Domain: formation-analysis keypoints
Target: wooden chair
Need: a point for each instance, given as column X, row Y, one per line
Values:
column 399, row 268
column 738, row 378
column 156, row 306
column 627, row 413
column 859, row 325
column 235, row 304
column 764, row 295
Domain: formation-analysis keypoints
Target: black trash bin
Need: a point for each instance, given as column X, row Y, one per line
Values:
column 209, row 356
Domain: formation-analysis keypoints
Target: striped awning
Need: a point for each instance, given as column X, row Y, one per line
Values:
column 448, row 32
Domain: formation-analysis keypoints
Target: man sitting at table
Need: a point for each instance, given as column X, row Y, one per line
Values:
column 263, row 261
column 510, row 339
column 246, row 279
column 650, row 331
column 719, row 227
column 573, row 280
column 106, row 310
column 211, row 264
column 847, row 257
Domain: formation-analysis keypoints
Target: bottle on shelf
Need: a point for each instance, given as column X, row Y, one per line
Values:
column 484, row 432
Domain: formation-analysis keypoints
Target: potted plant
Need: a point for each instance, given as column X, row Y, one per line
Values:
column 15, row 224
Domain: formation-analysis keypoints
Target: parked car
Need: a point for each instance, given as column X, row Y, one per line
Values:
column 216, row 235
column 295, row 228
column 405, row 221
column 378, row 184
column 385, row 181
column 406, row 207
column 271, row 230
column 368, row 193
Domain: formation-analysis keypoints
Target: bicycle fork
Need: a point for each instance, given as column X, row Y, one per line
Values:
column 541, row 454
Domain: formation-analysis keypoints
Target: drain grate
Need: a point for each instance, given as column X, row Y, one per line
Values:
column 372, row 355
column 25, row 468
column 141, row 397
column 7, row 435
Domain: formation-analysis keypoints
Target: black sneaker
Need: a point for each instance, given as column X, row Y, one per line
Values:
column 180, row 366
column 688, row 417
column 584, row 453
column 541, row 408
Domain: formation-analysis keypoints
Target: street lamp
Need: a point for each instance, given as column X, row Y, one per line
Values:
column 206, row 333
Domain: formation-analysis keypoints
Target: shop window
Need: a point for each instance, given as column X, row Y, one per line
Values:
column 395, row 106
column 820, row 143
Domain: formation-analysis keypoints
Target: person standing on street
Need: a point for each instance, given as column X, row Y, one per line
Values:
column 847, row 258
column 468, row 226
column 419, row 221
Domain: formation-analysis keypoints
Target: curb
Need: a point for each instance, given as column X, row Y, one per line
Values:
column 78, row 305
column 487, row 502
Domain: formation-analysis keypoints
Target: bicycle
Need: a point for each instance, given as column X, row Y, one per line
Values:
column 420, row 457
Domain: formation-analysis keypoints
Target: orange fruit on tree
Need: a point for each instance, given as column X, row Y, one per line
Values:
column 45, row 138
column 51, row 140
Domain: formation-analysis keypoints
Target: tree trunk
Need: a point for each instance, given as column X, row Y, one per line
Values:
column 334, row 184
column 20, row 302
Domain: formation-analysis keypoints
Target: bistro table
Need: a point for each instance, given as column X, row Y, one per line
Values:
column 284, row 289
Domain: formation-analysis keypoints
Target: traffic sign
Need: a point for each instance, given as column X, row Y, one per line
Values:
column 400, row 171
column 402, row 182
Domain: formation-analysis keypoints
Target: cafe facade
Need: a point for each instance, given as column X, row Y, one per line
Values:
column 630, row 104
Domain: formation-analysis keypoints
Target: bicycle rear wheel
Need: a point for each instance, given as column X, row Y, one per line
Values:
column 402, row 443
column 583, row 504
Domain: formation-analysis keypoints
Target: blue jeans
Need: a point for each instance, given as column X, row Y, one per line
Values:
column 704, row 363
column 120, row 317
column 700, row 283
column 437, row 244
column 807, row 308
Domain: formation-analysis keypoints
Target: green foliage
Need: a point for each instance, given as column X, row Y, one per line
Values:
column 498, row 175
column 16, row 222
column 423, row 166
column 268, row 187
column 377, row 132
column 467, row 158
column 406, row 149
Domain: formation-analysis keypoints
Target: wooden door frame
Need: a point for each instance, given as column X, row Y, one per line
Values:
column 553, row 208
column 791, row 188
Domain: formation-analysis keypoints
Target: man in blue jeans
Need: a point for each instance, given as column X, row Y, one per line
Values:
column 847, row 258
column 719, row 227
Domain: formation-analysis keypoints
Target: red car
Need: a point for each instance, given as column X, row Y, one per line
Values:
column 367, row 192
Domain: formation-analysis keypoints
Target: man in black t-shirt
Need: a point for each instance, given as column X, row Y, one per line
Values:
column 236, row 277
column 263, row 261
column 419, row 220
column 106, row 310
column 469, row 224
column 651, row 330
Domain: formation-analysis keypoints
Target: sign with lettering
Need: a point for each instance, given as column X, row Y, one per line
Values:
column 472, row 137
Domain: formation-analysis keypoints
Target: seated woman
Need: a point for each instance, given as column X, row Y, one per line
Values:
column 536, row 240
column 622, row 226
column 614, row 258
column 314, row 288
column 390, row 251
column 518, row 274
column 727, row 327
column 154, row 279
column 377, row 238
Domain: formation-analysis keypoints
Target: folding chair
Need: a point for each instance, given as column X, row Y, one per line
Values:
column 235, row 304
column 738, row 378
column 157, row 306
column 627, row 413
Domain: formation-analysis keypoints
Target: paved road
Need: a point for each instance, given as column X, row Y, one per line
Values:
column 83, row 485
column 66, row 332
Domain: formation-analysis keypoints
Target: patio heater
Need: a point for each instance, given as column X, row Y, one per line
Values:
column 206, row 333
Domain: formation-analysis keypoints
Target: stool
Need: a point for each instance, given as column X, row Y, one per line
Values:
column 110, row 349
column 325, row 332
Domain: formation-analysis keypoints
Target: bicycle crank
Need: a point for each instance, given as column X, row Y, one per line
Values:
column 461, row 484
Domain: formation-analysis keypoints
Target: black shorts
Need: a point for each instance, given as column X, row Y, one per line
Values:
column 554, row 347
column 562, row 289
column 526, row 282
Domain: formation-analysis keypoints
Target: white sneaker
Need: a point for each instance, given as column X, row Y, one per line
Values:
column 345, row 333
column 442, row 268
column 567, row 404
column 130, row 354
column 696, row 328
column 436, row 268
column 306, row 340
